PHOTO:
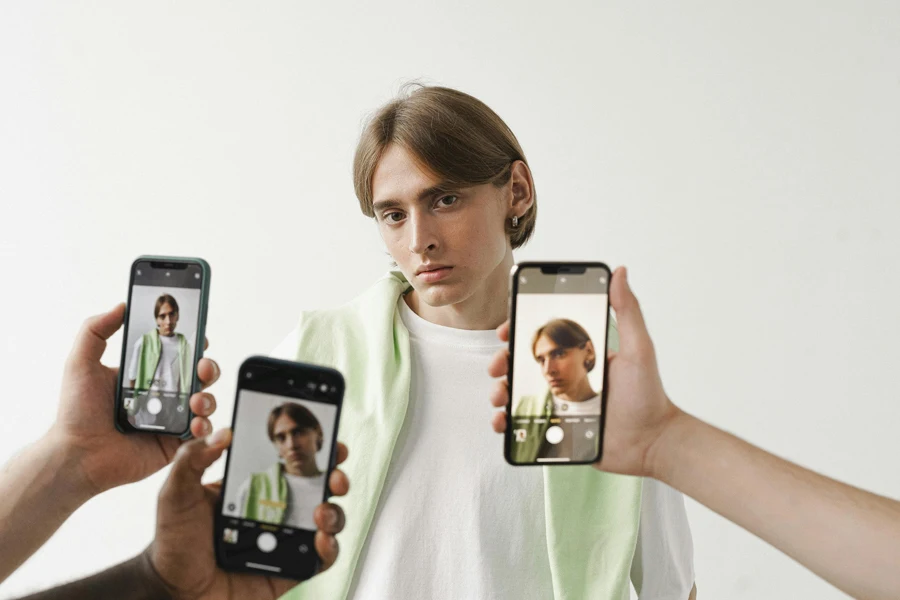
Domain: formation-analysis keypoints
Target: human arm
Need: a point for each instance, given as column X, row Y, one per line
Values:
column 82, row 454
column 847, row 536
column 180, row 564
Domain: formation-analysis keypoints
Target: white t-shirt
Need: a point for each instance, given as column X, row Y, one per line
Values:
column 591, row 406
column 454, row 520
column 304, row 495
column 168, row 375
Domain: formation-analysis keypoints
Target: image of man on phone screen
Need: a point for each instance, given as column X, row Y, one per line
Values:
column 287, row 492
column 565, row 353
column 161, row 359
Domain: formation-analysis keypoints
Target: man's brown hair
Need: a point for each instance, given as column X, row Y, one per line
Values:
column 164, row 299
column 299, row 414
column 567, row 334
column 454, row 135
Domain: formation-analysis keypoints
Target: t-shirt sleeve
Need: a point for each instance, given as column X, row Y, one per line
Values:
column 663, row 565
column 241, row 504
column 135, row 357
column 287, row 349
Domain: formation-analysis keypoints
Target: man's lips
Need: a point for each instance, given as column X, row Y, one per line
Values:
column 433, row 273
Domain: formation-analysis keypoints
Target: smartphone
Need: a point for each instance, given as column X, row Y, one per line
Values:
column 559, row 325
column 165, row 331
column 283, row 449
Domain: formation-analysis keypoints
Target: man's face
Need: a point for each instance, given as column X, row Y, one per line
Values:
column 446, row 241
column 297, row 448
column 167, row 319
column 563, row 368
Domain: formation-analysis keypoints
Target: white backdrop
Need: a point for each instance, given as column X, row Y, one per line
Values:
column 740, row 158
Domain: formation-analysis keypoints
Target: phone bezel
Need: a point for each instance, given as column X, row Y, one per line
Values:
column 121, row 422
column 279, row 372
column 513, row 295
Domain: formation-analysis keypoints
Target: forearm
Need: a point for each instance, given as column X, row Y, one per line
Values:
column 848, row 536
column 132, row 580
column 39, row 490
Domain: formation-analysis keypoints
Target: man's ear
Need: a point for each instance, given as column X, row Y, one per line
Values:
column 591, row 360
column 521, row 187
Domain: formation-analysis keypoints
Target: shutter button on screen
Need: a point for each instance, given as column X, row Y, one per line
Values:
column 555, row 434
column 154, row 406
column 266, row 542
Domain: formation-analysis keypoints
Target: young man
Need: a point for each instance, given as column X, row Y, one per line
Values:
column 435, row 510
column 288, row 492
column 565, row 353
column 161, row 359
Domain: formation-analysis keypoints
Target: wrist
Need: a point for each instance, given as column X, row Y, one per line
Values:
column 66, row 461
column 150, row 578
column 663, row 455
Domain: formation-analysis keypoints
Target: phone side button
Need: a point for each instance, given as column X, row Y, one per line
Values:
column 266, row 542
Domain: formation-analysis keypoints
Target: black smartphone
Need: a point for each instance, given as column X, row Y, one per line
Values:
column 165, row 331
column 283, row 449
column 559, row 325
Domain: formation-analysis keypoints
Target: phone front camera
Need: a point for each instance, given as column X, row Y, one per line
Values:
column 249, row 375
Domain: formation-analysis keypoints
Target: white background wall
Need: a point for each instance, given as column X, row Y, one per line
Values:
column 741, row 158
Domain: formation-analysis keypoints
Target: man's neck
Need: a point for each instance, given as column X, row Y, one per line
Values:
column 306, row 470
column 487, row 308
column 582, row 394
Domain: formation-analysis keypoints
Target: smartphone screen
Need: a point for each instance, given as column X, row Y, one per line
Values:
column 164, row 336
column 558, row 337
column 281, row 455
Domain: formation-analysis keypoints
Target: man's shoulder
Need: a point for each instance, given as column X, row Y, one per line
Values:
column 529, row 405
column 368, row 313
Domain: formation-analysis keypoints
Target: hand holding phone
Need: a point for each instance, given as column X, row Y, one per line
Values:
column 556, row 402
column 104, row 457
column 165, row 332
column 182, row 552
column 285, row 424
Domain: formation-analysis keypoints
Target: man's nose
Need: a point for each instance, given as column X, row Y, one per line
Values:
column 422, row 238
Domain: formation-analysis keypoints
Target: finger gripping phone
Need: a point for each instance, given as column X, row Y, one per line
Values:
column 559, row 329
column 165, row 331
column 283, row 450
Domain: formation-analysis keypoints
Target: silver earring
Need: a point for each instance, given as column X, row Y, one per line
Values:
column 515, row 221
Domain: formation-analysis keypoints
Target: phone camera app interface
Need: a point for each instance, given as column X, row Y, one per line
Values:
column 277, row 472
column 558, row 363
column 161, row 341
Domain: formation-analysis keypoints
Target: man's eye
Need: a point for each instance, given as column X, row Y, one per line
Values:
column 448, row 200
column 393, row 217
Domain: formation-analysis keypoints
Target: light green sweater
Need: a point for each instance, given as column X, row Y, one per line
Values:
column 591, row 517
